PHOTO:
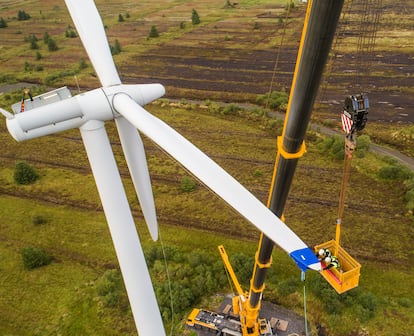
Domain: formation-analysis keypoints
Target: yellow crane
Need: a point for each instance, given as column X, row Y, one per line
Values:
column 250, row 323
column 319, row 29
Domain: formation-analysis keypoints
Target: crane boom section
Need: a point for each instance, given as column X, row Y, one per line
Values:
column 319, row 29
column 230, row 270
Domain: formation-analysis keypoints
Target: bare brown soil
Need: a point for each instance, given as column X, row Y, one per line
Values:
column 234, row 55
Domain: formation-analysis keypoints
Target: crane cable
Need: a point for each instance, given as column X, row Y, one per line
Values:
column 365, row 46
column 169, row 283
column 232, row 289
column 278, row 54
column 334, row 49
column 366, row 40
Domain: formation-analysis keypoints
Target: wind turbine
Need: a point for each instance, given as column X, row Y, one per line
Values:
column 123, row 103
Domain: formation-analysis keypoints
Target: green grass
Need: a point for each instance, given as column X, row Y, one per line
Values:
column 63, row 294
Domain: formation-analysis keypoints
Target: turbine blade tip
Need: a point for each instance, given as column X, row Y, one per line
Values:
column 306, row 259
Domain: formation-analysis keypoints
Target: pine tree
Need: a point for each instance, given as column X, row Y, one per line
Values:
column 51, row 45
column 3, row 23
column 116, row 49
column 153, row 32
column 46, row 37
column 22, row 15
column 195, row 18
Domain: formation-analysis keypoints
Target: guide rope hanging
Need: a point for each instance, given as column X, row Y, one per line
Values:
column 303, row 278
column 169, row 283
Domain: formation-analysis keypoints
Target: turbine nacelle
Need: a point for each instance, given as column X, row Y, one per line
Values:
column 75, row 111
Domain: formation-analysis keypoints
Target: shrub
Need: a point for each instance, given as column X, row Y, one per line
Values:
column 338, row 148
column 27, row 66
column 276, row 99
column 25, row 174
column 404, row 302
column 110, row 288
column 394, row 172
column 231, row 109
column 331, row 301
column 153, row 32
column 33, row 41
column 257, row 173
column 70, row 33
column 51, row 45
column 82, row 64
column 7, row 78
column 39, row 220
column 34, row 45
column 46, row 37
column 195, row 18
column 363, row 143
column 3, row 23
column 243, row 266
column 187, row 184
column 368, row 300
column 116, row 49
column 22, row 15
column 34, row 257
column 334, row 146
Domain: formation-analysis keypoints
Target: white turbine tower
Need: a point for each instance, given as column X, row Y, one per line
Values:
column 123, row 103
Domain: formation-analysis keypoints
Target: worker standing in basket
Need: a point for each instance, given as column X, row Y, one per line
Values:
column 331, row 262
column 323, row 253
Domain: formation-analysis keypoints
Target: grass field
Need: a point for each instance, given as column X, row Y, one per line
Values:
column 63, row 296
column 223, row 58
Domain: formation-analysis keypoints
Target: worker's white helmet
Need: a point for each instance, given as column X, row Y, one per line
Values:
column 321, row 252
column 327, row 260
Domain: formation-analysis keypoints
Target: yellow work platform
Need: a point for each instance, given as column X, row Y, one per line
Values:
column 348, row 276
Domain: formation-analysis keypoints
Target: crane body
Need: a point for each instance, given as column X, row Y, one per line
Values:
column 319, row 28
column 320, row 23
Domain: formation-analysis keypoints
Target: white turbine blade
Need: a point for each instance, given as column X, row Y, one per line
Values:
column 124, row 235
column 90, row 28
column 218, row 180
column 7, row 114
column 137, row 163
column 91, row 31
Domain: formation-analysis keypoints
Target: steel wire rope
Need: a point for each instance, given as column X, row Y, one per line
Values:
column 335, row 49
column 367, row 39
column 365, row 47
column 278, row 53
column 233, row 290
